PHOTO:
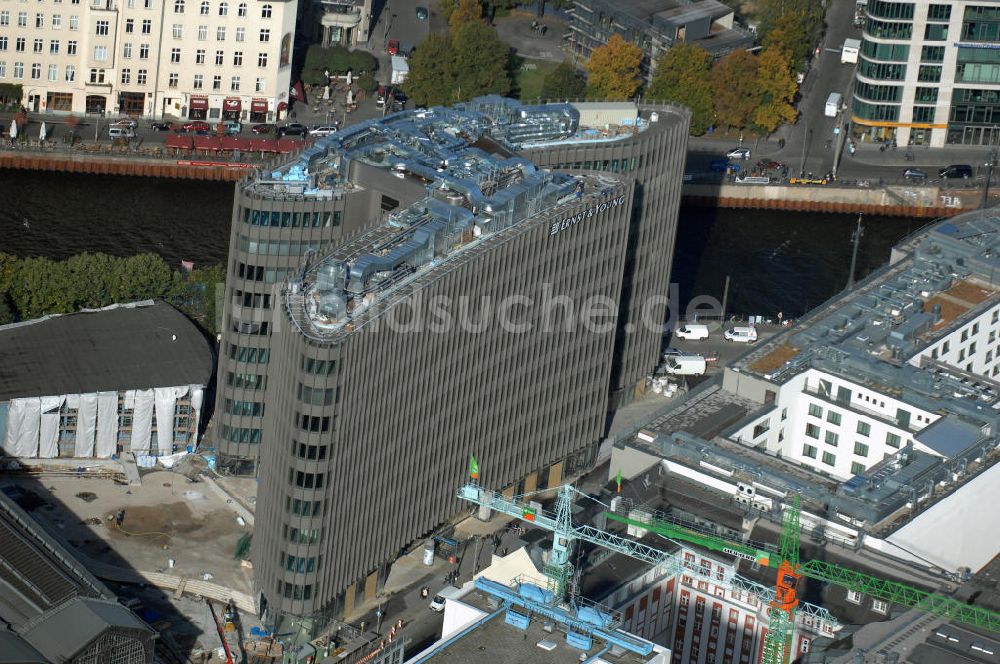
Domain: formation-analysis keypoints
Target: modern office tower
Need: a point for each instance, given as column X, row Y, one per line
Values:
column 459, row 302
column 276, row 232
column 186, row 59
column 929, row 73
column 653, row 160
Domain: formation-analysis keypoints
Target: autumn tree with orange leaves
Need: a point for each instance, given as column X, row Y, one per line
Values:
column 777, row 87
column 613, row 70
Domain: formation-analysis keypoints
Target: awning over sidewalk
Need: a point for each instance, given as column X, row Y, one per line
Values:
column 258, row 106
column 198, row 103
column 178, row 141
column 232, row 104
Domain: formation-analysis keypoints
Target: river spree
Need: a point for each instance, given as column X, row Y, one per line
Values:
column 777, row 261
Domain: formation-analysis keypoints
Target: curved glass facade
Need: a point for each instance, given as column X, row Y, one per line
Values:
column 876, row 112
column 890, row 10
column 885, row 52
column 888, row 29
column 873, row 92
column 880, row 71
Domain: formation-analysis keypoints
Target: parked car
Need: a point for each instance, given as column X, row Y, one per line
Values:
column 231, row 127
column 437, row 603
column 196, row 125
column 393, row 47
column 162, row 126
column 768, row 165
column 956, row 171
column 387, row 91
column 323, row 130
column 293, row 129
column 421, row 13
column 915, row 174
column 739, row 153
column 263, row 129
column 719, row 165
column 125, row 122
column 120, row 131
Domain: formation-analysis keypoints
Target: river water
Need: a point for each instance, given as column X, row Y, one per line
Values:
column 777, row 261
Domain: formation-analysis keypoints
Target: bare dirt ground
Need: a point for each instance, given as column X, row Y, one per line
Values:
column 167, row 518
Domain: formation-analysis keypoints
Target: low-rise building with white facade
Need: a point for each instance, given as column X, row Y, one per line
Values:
column 184, row 59
column 129, row 378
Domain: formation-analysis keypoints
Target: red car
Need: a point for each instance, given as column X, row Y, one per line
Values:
column 197, row 125
column 393, row 46
column 263, row 129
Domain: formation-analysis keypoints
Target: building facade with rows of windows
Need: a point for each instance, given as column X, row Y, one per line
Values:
column 929, row 73
column 337, row 399
column 184, row 59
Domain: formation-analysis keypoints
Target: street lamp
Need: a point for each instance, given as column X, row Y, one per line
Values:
column 989, row 177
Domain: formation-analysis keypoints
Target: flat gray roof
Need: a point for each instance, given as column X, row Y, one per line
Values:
column 136, row 346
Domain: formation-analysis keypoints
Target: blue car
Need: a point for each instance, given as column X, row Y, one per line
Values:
column 721, row 165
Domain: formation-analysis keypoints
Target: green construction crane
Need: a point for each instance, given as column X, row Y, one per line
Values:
column 777, row 643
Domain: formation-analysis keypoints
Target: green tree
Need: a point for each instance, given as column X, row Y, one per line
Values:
column 683, row 76
column 143, row 276
column 734, row 79
column 6, row 312
column 776, row 84
column 484, row 61
column 792, row 24
column 361, row 62
column 613, row 69
column 563, row 82
column 41, row 287
column 367, row 83
column 446, row 8
column 432, row 72
column 466, row 11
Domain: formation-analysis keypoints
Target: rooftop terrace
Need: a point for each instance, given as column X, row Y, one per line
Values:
column 873, row 334
column 464, row 188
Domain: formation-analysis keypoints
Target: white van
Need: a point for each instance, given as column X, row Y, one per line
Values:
column 690, row 331
column 746, row 335
column 118, row 131
column 685, row 365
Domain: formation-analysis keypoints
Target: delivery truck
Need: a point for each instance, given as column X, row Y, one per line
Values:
column 849, row 53
column 400, row 69
column 833, row 104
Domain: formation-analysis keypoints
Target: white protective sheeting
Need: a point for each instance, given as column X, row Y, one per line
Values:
column 86, row 423
column 951, row 533
column 48, row 428
column 25, row 441
column 15, row 427
column 107, row 424
column 142, row 420
column 166, row 401
column 197, row 396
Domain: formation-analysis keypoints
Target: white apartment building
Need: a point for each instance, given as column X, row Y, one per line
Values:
column 185, row 59
column 836, row 426
column 842, row 426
